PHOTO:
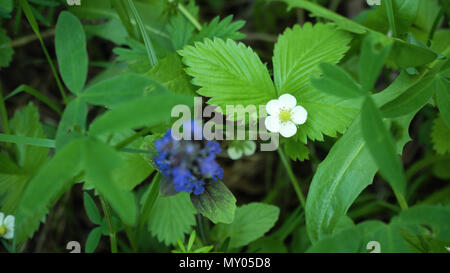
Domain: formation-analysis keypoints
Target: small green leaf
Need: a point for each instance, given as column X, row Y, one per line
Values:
column 443, row 98
column 70, row 45
column 171, row 218
column 251, row 222
column 115, row 91
column 216, row 203
column 6, row 52
column 382, row 146
column 73, row 123
column 93, row 240
column 296, row 150
column 440, row 136
column 375, row 49
column 224, row 29
column 146, row 111
column 402, row 51
column 91, row 209
column 411, row 100
column 336, row 82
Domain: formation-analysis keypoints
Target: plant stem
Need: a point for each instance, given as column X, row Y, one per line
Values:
column 292, row 178
column 391, row 16
column 148, row 44
column 435, row 24
column 425, row 162
column 189, row 16
column 201, row 228
column 148, row 205
column 4, row 114
column 132, row 138
column 108, row 216
column 31, row 38
column 120, row 8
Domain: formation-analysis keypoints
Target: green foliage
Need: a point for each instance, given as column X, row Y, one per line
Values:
column 236, row 68
column 217, row 203
column 6, row 52
column 224, row 29
column 296, row 151
column 250, row 223
column 439, row 136
column 70, row 46
column 171, row 218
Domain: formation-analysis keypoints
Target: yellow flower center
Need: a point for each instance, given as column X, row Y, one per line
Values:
column 285, row 115
column 3, row 230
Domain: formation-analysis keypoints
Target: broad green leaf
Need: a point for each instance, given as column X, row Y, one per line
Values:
column 443, row 98
column 70, row 46
column 346, row 241
column 374, row 51
column 91, row 209
column 99, row 162
column 440, row 136
column 296, row 150
column 170, row 73
column 15, row 172
column 111, row 30
column 349, row 168
column 300, row 50
column 251, row 222
column 382, row 147
column 336, row 81
column 402, row 51
column 93, row 240
column 180, row 29
column 115, row 91
column 216, row 203
column 33, row 141
column 6, row 6
column 46, row 187
column 319, row 11
column 147, row 111
column 224, row 29
column 228, row 72
column 135, row 167
column 6, row 52
column 171, row 218
column 410, row 101
column 73, row 123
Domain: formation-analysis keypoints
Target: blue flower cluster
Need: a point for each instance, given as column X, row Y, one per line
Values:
column 189, row 164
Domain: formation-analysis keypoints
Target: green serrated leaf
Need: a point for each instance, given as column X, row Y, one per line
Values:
column 224, row 29
column 440, row 136
column 296, row 150
column 70, row 46
column 224, row 69
column 170, row 73
column 216, row 203
column 300, row 50
column 443, row 98
column 171, row 218
column 251, row 222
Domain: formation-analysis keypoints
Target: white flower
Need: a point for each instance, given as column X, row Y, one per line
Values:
column 285, row 115
column 6, row 226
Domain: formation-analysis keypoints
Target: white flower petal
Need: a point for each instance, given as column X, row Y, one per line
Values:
column 288, row 129
column 1, row 218
column 9, row 234
column 299, row 115
column 273, row 107
column 9, row 221
column 273, row 124
column 287, row 101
